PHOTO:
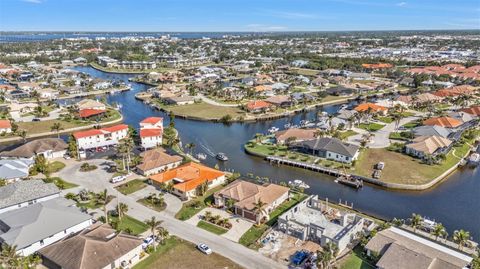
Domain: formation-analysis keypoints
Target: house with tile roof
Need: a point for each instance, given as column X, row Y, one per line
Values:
column 473, row 110
column 446, row 122
column 188, row 177
column 38, row 225
column 258, row 106
column 400, row 249
column 49, row 148
column 245, row 194
column 151, row 132
column 5, row 126
column 371, row 107
column 95, row 138
column 88, row 112
column 427, row 145
column 297, row 133
column 156, row 161
column 95, row 247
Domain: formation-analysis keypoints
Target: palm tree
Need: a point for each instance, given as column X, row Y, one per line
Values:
column 153, row 223
column 162, row 234
column 57, row 126
column 121, row 210
column 439, row 231
column 258, row 208
column 103, row 199
column 327, row 257
column 415, row 221
column 128, row 144
column 190, row 147
column 9, row 257
column 461, row 237
column 23, row 135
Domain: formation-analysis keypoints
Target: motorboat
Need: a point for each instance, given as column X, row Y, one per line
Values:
column 298, row 184
column 287, row 126
column 342, row 107
column 474, row 159
column 201, row 156
column 273, row 130
column 221, row 156
column 350, row 181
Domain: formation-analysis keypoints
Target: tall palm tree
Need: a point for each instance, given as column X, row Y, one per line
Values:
column 122, row 209
column 23, row 135
column 128, row 146
column 461, row 237
column 103, row 199
column 9, row 257
column 56, row 127
column 153, row 223
column 327, row 257
column 439, row 231
column 163, row 234
column 258, row 208
column 415, row 221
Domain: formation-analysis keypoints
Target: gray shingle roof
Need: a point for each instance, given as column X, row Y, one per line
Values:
column 331, row 144
column 428, row 130
column 27, row 225
column 25, row 190
column 34, row 147
column 11, row 169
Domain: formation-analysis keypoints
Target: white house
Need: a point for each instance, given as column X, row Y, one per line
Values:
column 152, row 122
column 49, row 148
column 151, row 132
column 95, row 138
column 26, row 192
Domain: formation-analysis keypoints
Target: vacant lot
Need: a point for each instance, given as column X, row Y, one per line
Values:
column 179, row 254
column 206, row 111
column 132, row 186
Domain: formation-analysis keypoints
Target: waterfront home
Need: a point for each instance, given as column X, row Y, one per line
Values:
column 296, row 133
column 340, row 91
column 244, row 195
column 95, row 138
column 107, row 61
column 426, row 98
column 371, row 107
column 282, row 101
column 71, row 90
column 151, row 132
column 89, row 113
column 95, row 247
column 15, row 169
column 398, row 248
column 38, row 225
column 157, row 160
column 446, row 122
column 152, row 122
column 428, row 145
column 179, row 100
column 5, row 127
column 431, row 130
column 49, row 148
column 320, row 82
column 314, row 221
column 187, row 179
column 461, row 116
column 26, row 192
column 48, row 93
column 456, row 91
column 90, row 104
column 473, row 110
column 258, row 106
column 329, row 148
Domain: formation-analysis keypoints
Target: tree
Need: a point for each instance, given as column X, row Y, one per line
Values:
column 153, row 223
column 121, row 210
column 461, row 237
column 258, row 208
column 163, row 234
column 290, row 140
column 56, row 127
column 328, row 256
column 172, row 119
column 41, row 164
column 102, row 200
column 439, row 231
column 23, row 135
column 9, row 257
column 72, row 147
column 415, row 221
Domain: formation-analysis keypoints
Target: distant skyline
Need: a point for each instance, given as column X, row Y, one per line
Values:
column 236, row 15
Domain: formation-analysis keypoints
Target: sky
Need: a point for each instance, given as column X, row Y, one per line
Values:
column 237, row 15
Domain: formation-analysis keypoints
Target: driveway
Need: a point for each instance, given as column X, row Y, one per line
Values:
column 239, row 225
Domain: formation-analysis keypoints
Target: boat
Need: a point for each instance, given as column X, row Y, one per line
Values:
column 349, row 181
column 474, row 159
column 273, row 130
column 201, row 156
column 221, row 156
column 297, row 183
column 342, row 107
column 287, row 126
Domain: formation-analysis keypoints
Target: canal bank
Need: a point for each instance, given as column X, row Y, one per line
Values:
column 454, row 202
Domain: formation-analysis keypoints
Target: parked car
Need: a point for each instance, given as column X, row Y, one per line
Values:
column 66, row 157
column 36, row 119
column 148, row 241
column 204, row 248
column 299, row 257
column 380, row 165
column 118, row 179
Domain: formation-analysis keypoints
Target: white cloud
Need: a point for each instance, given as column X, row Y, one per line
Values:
column 33, row 1
column 255, row 27
column 292, row 15
column 401, row 4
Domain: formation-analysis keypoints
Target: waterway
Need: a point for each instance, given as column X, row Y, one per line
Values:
column 455, row 202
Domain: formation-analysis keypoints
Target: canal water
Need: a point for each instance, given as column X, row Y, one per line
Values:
column 455, row 202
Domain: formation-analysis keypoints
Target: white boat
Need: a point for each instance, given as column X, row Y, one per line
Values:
column 299, row 184
column 343, row 107
column 287, row 126
column 222, row 157
column 273, row 130
column 474, row 159
column 201, row 156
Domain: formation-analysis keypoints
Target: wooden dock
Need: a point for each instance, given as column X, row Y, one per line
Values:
column 312, row 167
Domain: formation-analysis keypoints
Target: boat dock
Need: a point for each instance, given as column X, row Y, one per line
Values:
column 312, row 167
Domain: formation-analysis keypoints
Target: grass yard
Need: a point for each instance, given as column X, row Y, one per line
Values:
column 135, row 226
column 305, row 71
column 371, row 126
column 132, row 186
column 205, row 111
column 211, row 228
column 355, row 261
column 148, row 203
column 346, row 134
column 60, row 183
column 399, row 136
column 385, row 119
column 55, row 166
column 250, row 237
column 190, row 208
column 330, row 98
column 412, row 124
column 180, row 254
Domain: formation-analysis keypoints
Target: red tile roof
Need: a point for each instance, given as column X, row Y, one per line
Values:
column 152, row 120
column 5, row 124
column 150, row 132
column 93, row 132
column 373, row 107
column 85, row 113
column 258, row 105
column 474, row 110
column 443, row 121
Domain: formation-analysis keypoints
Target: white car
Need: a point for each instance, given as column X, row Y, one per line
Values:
column 204, row 248
column 118, row 179
column 147, row 242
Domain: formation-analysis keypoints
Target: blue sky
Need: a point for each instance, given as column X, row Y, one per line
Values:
column 236, row 15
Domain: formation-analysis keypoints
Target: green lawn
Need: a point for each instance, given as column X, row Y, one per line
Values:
column 211, row 228
column 178, row 253
column 135, row 226
column 346, row 134
column 412, row 124
column 205, row 111
column 190, row 208
column 355, row 261
column 55, row 166
column 385, row 119
column 250, row 237
column 60, row 183
column 399, row 136
column 148, row 203
column 132, row 186
column 371, row 126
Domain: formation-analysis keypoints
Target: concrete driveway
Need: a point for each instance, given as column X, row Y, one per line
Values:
column 239, row 225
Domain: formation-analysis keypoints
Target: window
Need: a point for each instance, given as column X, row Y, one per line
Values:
column 42, row 243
